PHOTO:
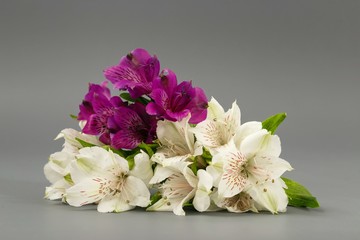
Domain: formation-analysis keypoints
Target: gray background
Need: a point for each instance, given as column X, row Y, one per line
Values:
column 302, row 57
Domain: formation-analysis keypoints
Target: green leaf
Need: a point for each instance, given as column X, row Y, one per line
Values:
column 126, row 96
column 154, row 198
column 68, row 179
column 272, row 123
column 131, row 160
column 298, row 195
column 117, row 151
column 74, row 116
column 84, row 143
column 147, row 149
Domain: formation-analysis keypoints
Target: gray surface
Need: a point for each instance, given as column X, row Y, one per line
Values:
column 301, row 57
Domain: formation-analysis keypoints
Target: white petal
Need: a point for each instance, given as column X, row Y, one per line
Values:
column 161, row 173
column 270, row 195
column 56, row 190
column 205, row 180
column 161, row 205
column 188, row 174
column 211, row 134
column 215, row 110
column 86, row 192
column 142, row 168
column 265, row 168
column 245, row 130
column 253, row 143
column 82, row 124
column 176, row 137
column 201, row 201
column 96, row 162
column 178, row 210
column 113, row 203
column 135, row 192
column 51, row 175
column 215, row 171
column 232, row 120
column 272, row 146
column 234, row 179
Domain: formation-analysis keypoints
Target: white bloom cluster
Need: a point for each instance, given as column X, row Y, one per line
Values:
column 217, row 164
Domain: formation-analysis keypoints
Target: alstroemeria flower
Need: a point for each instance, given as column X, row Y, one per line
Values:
column 96, row 109
column 135, row 72
column 55, row 171
column 177, row 140
column 179, row 186
column 238, row 203
column 133, row 126
column 103, row 177
column 254, row 168
column 174, row 102
column 57, row 168
column 221, row 127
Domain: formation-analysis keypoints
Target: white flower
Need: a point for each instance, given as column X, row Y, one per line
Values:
column 253, row 167
column 180, row 186
column 238, row 203
column 221, row 127
column 55, row 171
column 103, row 177
column 72, row 145
column 177, row 139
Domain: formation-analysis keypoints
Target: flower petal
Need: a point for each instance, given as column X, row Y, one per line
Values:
column 135, row 192
column 162, row 205
column 142, row 168
column 126, row 139
column 215, row 110
column 178, row 209
column 234, row 178
column 167, row 81
column 266, row 168
column 113, row 203
column 176, row 137
column 270, row 195
column 86, row 192
column 202, row 199
column 245, row 130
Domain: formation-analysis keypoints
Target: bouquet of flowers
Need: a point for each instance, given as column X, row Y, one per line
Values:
column 161, row 145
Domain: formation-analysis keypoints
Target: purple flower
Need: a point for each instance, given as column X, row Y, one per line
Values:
column 97, row 108
column 174, row 102
column 134, row 126
column 135, row 72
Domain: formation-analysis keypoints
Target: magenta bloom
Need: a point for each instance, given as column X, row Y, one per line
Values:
column 135, row 72
column 97, row 108
column 133, row 126
column 174, row 102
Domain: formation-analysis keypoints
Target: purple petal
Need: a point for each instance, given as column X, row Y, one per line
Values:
column 116, row 101
column 102, row 105
column 105, row 138
column 154, row 109
column 198, row 106
column 122, row 76
column 183, row 94
column 86, row 110
column 126, row 139
column 176, row 116
column 139, row 56
column 127, row 118
column 94, row 125
column 166, row 81
column 160, row 98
